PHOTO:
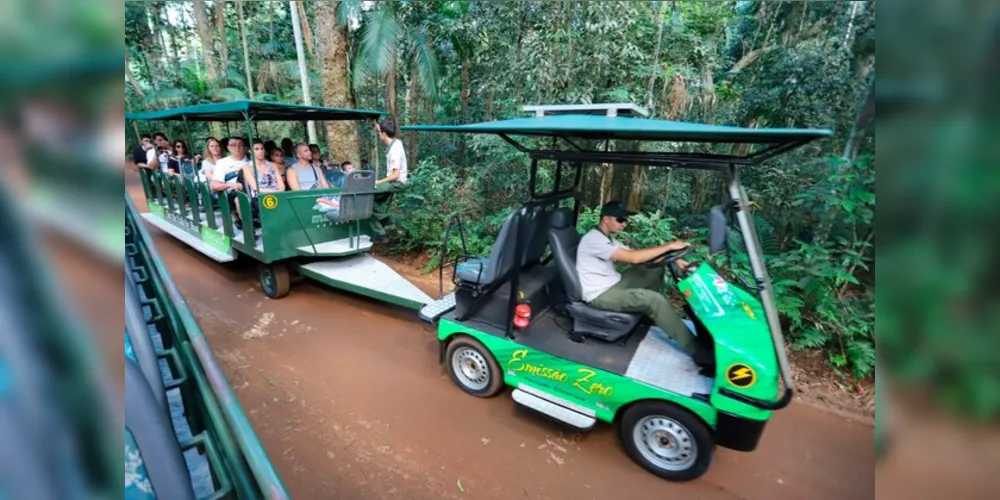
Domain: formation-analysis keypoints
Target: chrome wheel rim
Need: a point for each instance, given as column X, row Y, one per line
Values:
column 470, row 368
column 665, row 443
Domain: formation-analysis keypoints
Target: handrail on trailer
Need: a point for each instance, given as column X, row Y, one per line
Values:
column 247, row 441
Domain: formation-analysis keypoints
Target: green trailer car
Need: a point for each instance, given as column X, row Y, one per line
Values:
column 322, row 234
column 580, row 365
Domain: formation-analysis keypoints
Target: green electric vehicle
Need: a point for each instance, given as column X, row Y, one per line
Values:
column 516, row 317
column 322, row 234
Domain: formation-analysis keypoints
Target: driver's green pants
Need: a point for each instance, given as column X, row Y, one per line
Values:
column 639, row 292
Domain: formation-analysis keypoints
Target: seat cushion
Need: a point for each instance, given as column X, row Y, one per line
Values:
column 606, row 320
column 475, row 271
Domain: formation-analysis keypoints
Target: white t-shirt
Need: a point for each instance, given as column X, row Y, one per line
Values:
column 150, row 154
column 227, row 169
column 164, row 158
column 594, row 265
column 206, row 165
column 395, row 159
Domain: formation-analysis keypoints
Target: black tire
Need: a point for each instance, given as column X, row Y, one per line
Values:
column 679, row 430
column 483, row 377
column 275, row 280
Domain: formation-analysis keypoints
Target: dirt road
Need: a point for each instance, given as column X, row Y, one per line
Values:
column 348, row 398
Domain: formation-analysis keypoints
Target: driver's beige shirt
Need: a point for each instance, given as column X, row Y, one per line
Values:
column 594, row 265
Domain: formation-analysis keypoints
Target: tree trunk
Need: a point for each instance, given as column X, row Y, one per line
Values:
column 246, row 47
column 391, row 82
column 131, row 78
column 462, row 142
column 303, row 72
column 220, row 26
column 307, row 34
column 207, row 43
column 656, row 54
column 635, row 191
column 159, row 53
column 341, row 136
column 168, row 36
column 412, row 105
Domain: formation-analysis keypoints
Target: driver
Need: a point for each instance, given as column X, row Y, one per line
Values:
column 638, row 289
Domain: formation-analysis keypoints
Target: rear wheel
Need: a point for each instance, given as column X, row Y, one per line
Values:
column 275, row 280
column 667, row 440
column 473, row 368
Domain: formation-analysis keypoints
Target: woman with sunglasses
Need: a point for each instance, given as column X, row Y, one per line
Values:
column 180, row 162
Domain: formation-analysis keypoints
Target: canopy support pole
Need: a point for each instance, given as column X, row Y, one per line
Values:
column 739, row 197
column 253, row 161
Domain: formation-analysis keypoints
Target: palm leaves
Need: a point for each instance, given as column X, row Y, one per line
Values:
column 385, row 43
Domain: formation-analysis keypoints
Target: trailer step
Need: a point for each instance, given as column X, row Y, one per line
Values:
column 337, row 247
column 366, row 275
column 431, row 312
column 555, row 407
column 190, row 239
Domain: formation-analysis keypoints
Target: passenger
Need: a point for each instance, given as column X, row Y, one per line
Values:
column 180, row 162
column 144, row 154
column 268, row 146
column 225, row 175
column 638, row 289
column 268, row 179
column 162, row 151
column 317, row 156
column 337, row 176
column 277, row 157
column 224, row 144
column 213, row 153
column 302, row 175
column 288, row 147
column 394, row 182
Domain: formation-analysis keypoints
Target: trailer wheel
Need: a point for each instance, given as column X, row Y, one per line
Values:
column 666, row 440
column 473, row 368
column 275, row 280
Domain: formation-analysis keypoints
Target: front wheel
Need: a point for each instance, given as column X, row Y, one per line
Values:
column 275, row 280
column 473, row 368
column 667, row 440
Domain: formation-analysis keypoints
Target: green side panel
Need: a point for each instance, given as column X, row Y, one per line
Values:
column 156, row 209
column 604, row 392
column 744, row 351
column 292, row 219
column 215, row 239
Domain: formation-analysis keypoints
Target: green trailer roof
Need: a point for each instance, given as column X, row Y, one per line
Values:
column 625, row 128
column 235, row 111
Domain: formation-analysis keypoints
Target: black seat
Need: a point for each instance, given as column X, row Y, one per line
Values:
column 587, row 321
column 484, row 271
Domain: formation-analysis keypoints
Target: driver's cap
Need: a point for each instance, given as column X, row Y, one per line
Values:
column 615, row 209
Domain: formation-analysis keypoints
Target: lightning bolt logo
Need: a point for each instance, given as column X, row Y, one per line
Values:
column 741, row 375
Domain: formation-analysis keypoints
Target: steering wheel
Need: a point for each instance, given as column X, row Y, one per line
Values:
column 668, row 257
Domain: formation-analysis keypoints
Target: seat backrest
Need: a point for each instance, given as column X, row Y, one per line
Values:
column 502, row 255
column 564, row 239
column 357, row 207
column 535, row 229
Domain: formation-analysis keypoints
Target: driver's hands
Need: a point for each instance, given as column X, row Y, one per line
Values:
column 673, row 246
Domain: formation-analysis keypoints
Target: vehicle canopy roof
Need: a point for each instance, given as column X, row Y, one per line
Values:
column 589, row 126
column 235, row 111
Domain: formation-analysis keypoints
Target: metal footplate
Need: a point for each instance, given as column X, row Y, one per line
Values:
column 431, row 312
column 366, row 275
column 336, row 248
column 190, row 239
column 558, row 408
